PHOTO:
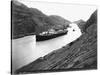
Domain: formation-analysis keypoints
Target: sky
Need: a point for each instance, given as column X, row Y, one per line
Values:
column 71, row 12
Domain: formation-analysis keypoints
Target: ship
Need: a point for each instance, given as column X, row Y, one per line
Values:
column 47, row 36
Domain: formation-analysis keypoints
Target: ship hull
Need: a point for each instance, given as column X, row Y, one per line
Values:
column 47, row 37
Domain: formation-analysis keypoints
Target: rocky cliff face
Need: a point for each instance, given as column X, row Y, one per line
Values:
column 80, row 54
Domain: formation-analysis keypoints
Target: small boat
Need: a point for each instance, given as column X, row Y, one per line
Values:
column 49, row 36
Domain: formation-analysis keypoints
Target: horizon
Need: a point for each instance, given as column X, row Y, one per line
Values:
column 70, row 12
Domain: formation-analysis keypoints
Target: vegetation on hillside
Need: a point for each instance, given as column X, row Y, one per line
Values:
column 30, row 21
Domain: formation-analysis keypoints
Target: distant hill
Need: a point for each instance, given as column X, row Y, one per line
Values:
column 80, row 23
column 80, row 54
column 59, row 22
column 27, row 21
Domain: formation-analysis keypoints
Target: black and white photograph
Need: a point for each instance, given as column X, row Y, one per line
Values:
column 52, row 37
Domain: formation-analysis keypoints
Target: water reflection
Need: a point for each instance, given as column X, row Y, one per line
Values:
column 22, row 51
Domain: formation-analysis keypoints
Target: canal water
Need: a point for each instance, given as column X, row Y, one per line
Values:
column 25, row 50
